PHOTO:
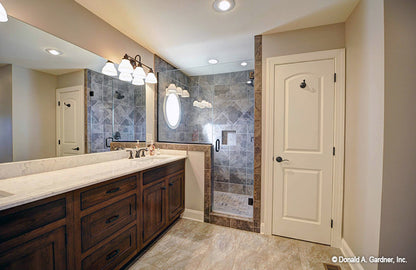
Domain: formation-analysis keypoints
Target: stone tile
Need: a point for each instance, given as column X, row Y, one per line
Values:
column 219, row 220
column 221, row 174
column 238, row 175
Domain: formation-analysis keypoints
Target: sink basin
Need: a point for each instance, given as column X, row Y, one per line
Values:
column 4, row 194
column 150, row 160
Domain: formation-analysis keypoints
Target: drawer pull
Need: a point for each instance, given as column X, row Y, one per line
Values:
column 170, row 184
column 113, row 190
column 111, row 219
column 163, row 188
column 112, row 254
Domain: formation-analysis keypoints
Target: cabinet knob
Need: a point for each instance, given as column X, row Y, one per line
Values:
column 170, row 184
column 163, row 188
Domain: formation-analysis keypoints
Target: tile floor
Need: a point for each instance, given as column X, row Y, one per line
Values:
column 195, row 245
column 234, row 204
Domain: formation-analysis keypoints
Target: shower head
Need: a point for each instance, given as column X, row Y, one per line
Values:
column 119, row 95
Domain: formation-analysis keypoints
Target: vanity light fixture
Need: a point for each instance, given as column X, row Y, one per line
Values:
column 171, row 89
column 137, row 81
column 185, row 94
column 131, row 70
column 223, row 5
column 179, row 91
column 125, row 77
column 53, row 52
column 109, row 69
column 3, row 14
column 244, row 64
column 213, row 61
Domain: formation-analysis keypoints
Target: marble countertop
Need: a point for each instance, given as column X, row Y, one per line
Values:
column 25, row 189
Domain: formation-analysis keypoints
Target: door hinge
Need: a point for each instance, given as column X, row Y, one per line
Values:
column 332, row 223
column 335, row 77
column 59, row 103
column 333, row 151
column 59, row 142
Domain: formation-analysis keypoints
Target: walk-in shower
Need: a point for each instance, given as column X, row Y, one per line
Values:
column 220, row 112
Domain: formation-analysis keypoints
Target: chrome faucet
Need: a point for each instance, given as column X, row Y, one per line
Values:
column 141, row 150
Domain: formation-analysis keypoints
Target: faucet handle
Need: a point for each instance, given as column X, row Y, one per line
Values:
column 131, row 153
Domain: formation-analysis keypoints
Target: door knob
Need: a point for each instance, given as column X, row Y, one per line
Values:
column 280, row 159
column 76, row 148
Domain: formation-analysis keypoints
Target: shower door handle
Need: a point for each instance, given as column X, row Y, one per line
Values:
column 217, row 145
column 76, row 148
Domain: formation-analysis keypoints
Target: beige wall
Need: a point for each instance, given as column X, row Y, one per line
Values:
column 320, row 38
column 398, row 215
column 71, row 79
column 6, row 145
column 33, row 114
column 194, row 185
column 70, row 21
column 364, row 37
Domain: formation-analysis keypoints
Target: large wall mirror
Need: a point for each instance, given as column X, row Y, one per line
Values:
column 54, row 100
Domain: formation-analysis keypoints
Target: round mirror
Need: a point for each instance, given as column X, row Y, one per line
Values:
column 172, row 110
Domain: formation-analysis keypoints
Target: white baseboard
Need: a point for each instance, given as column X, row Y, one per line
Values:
column 193, row 215
column 347, row 252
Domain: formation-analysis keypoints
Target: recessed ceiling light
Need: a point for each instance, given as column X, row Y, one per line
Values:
column 223, row 5
column 213, row 61
column 243, row 64
column 53, row 51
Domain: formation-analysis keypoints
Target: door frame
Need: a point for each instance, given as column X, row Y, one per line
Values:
column 58, row 116
column 339, row 121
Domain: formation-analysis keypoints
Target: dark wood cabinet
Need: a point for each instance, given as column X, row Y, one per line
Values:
column 44, row 252
column 37, row 235
column 176, row 196
column 102, row 226
column 154, row 210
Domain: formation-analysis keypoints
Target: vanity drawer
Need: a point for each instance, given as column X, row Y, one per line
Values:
column 20, row 220
column 103, row 223
column 102, row 193
column 111, row 254
column 155, row 174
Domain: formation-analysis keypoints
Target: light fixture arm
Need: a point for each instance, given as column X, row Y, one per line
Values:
column 137, row 62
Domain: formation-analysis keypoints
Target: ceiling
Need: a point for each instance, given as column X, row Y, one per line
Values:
column 189, row 32
column 24, row 45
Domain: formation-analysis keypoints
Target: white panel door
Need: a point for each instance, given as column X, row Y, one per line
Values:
column 303, row 150
column 70, row 121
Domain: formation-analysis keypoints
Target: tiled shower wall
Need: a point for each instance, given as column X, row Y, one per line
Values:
column 107, row 114
column 232, row 114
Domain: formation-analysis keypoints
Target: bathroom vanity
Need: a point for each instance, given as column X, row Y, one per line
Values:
column 95, row 226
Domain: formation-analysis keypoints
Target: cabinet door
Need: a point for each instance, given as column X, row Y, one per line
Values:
column 154, row 210
column 176, row 198
column 45, row 252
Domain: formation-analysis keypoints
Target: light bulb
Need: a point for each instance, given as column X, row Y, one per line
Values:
column 125, row 66
column 3, row 14
column 139, row 73
column 109, row 69
column 151, row 78
column 126, row 77
column 137, row 81
column 223, row 5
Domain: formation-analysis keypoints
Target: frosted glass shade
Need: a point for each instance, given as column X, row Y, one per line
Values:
column 109, row 69
column 125, row 66
column 171, row 89
column 151, row 78
column 139, row 73
column 185, row 93
column 137, row 81
column 3, row 14
column 179, row 91
column 126, row 77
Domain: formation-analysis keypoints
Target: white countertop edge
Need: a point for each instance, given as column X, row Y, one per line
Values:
column 21, row 199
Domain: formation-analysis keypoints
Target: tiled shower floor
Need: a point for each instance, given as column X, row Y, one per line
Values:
column 232, row 204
